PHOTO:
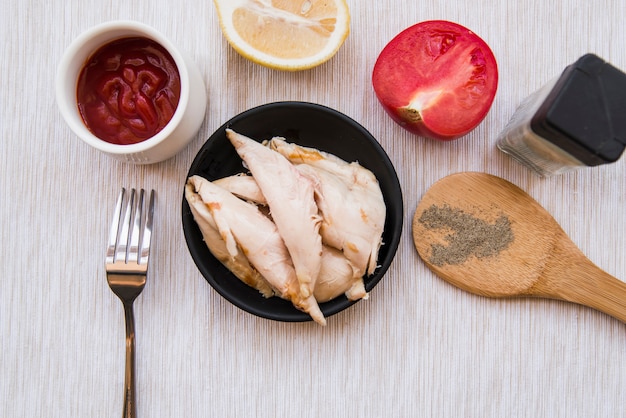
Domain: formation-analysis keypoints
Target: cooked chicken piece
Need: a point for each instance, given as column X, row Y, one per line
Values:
column 244, row 187
column 290, row 197
column 336, row 277
column 349, row 199
column 336, row 274
column 245, row 230
column 237, row 263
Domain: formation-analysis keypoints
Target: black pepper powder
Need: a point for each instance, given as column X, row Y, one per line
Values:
column 470, row 236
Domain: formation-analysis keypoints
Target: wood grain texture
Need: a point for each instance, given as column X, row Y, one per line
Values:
column 417, row 347
column 530, row 255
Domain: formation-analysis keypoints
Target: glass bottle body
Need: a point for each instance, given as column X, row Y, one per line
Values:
column 524, row 145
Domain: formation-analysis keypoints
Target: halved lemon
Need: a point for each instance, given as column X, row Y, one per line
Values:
column 285, row 34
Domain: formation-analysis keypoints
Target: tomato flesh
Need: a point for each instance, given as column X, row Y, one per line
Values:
column 436, row 79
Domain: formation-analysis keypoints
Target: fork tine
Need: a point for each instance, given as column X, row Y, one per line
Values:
column 115, row 226
column 147, row 232
column 135, row 230
column 125, row 276
column 122, row 243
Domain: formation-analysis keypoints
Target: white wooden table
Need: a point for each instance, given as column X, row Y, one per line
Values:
column 417, row 348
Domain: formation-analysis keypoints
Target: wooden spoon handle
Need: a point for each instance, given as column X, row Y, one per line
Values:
column 573, row 277
column 599, row 290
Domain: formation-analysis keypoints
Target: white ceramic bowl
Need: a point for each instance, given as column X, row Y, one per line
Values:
column 186, row 120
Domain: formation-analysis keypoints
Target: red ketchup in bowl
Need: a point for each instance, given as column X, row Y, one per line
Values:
column 128, row 90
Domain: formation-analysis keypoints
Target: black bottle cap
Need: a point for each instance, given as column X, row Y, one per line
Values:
column 585, row 113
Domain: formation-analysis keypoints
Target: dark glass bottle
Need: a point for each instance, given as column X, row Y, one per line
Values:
column 576, row 120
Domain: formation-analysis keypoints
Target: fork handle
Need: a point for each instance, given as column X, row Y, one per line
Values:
column 130, row 406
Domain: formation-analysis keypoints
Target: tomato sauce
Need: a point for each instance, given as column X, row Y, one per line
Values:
column 128, row 90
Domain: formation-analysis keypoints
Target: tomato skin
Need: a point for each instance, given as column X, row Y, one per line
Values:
column 436, row 79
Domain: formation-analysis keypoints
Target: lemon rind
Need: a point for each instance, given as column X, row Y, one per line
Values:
column 335, row 42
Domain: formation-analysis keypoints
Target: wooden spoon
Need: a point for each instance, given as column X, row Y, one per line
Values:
column 488, row 237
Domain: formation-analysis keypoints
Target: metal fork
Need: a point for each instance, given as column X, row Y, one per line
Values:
column 126, row 268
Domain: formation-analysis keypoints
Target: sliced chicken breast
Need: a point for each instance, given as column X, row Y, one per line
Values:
column 244, row 187
column 245, row 230
column 237, row 263
column 350, row 201
column 336, row 274
column 291, row 200
column 337, row 277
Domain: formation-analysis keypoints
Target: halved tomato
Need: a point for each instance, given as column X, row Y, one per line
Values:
column 436, row 79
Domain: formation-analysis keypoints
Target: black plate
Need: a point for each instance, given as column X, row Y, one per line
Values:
column 308, row 125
